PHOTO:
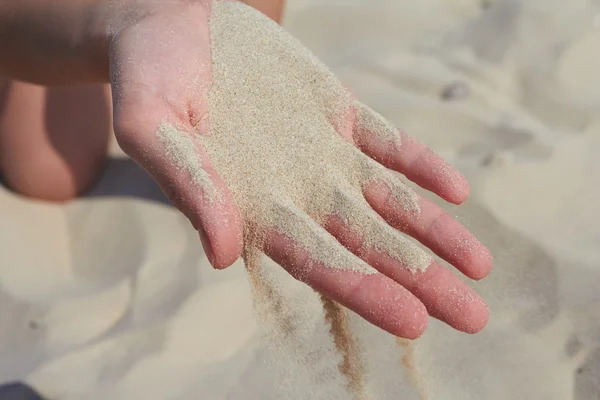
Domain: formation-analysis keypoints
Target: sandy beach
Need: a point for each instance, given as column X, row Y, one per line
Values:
column 111, row 296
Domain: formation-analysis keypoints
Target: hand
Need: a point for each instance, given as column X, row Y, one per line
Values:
column 161, row 72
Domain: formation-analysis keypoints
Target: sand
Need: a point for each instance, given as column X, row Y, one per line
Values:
column 276, row 136
column 126, row 306
column 276, row 117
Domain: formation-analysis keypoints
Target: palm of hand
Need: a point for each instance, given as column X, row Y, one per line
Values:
column 162, row 71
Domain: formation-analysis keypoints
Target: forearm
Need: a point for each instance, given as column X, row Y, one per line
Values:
column 54, row 41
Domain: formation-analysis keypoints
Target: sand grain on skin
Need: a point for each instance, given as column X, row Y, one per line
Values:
column 273, row 112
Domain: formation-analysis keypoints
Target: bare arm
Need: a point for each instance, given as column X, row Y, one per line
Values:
column 57, row 42
column 54, row 41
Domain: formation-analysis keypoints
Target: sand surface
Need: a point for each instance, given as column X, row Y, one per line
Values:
column 110, row 297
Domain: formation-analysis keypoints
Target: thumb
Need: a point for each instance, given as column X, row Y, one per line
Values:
column 169, row 152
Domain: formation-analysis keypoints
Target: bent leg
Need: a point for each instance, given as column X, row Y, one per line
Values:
column 53, row 141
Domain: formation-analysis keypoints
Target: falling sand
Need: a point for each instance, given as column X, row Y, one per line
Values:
column 280, row 137
column 351, row 366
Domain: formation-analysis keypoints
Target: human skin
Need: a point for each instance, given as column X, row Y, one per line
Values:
column 77, row 48
column 53, row 140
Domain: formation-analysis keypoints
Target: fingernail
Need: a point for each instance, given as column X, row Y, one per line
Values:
column 206, row 245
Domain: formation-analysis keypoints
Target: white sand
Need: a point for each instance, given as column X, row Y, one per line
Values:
column 137, row 312
column 273, row 113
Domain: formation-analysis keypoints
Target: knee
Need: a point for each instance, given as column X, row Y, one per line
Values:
column 53, row 142
column 51, row 180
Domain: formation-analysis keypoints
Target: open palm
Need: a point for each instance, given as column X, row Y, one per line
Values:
column 161, row 72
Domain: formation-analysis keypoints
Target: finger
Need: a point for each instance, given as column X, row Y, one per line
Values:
column 345, row 278
column 166, row 149
column 396, row 150
column 375, row 232
column 445, row 296
column 434, row 228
